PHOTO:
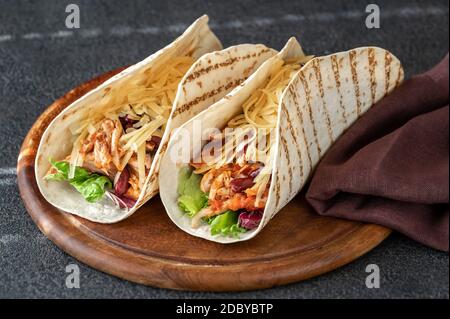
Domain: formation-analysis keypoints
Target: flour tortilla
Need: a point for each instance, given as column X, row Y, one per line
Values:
column 212, row 76
column 322, row 100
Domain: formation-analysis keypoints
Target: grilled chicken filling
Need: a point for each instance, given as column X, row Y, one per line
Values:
column 236, row 179
column 101, row 153
column 231, row 187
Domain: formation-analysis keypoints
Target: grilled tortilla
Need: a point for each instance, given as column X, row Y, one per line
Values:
column 231, row 201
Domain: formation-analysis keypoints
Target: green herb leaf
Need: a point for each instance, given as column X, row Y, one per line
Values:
column 191, row 199
column 183, row 176
column 227, row 224
column 91, row 186
column 209, row 220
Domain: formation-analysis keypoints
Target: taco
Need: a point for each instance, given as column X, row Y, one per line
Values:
column 99, row 158
column 260, row 144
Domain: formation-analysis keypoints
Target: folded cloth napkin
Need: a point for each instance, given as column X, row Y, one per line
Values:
column 392, row 166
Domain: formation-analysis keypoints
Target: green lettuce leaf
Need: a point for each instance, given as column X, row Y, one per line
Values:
column 91, row 186
column 226, row 224
column 191, row 199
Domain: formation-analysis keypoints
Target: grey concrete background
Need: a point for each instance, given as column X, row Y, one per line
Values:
column 38, row 64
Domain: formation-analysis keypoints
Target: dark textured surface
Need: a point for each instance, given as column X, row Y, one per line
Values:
column 37, row 68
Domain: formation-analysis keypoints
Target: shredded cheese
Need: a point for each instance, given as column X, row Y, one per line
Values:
column 141, row 165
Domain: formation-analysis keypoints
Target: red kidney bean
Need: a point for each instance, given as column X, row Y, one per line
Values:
column 255, row 172
column 240, row 184
column 128, row 201
column 250, row 220
column 246, row 170
column 126, row 122
column 251, row 170
column 156, row 140
column 122, row 182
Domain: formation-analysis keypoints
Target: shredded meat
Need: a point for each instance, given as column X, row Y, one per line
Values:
column 230, row 187
column 133, row 191
column 102, row 153
column 88, row 144
column 239, row 201
column 107, row 126
column 90, row 165
column 101, row 150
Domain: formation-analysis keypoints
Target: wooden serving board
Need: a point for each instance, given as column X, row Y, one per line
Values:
column 148, row 248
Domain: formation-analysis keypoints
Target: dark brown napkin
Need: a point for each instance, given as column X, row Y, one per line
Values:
column 392, row 166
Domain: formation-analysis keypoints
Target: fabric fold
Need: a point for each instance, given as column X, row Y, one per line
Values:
column 392, row 166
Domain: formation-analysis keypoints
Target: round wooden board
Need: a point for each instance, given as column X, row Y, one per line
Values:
column 148, row 248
